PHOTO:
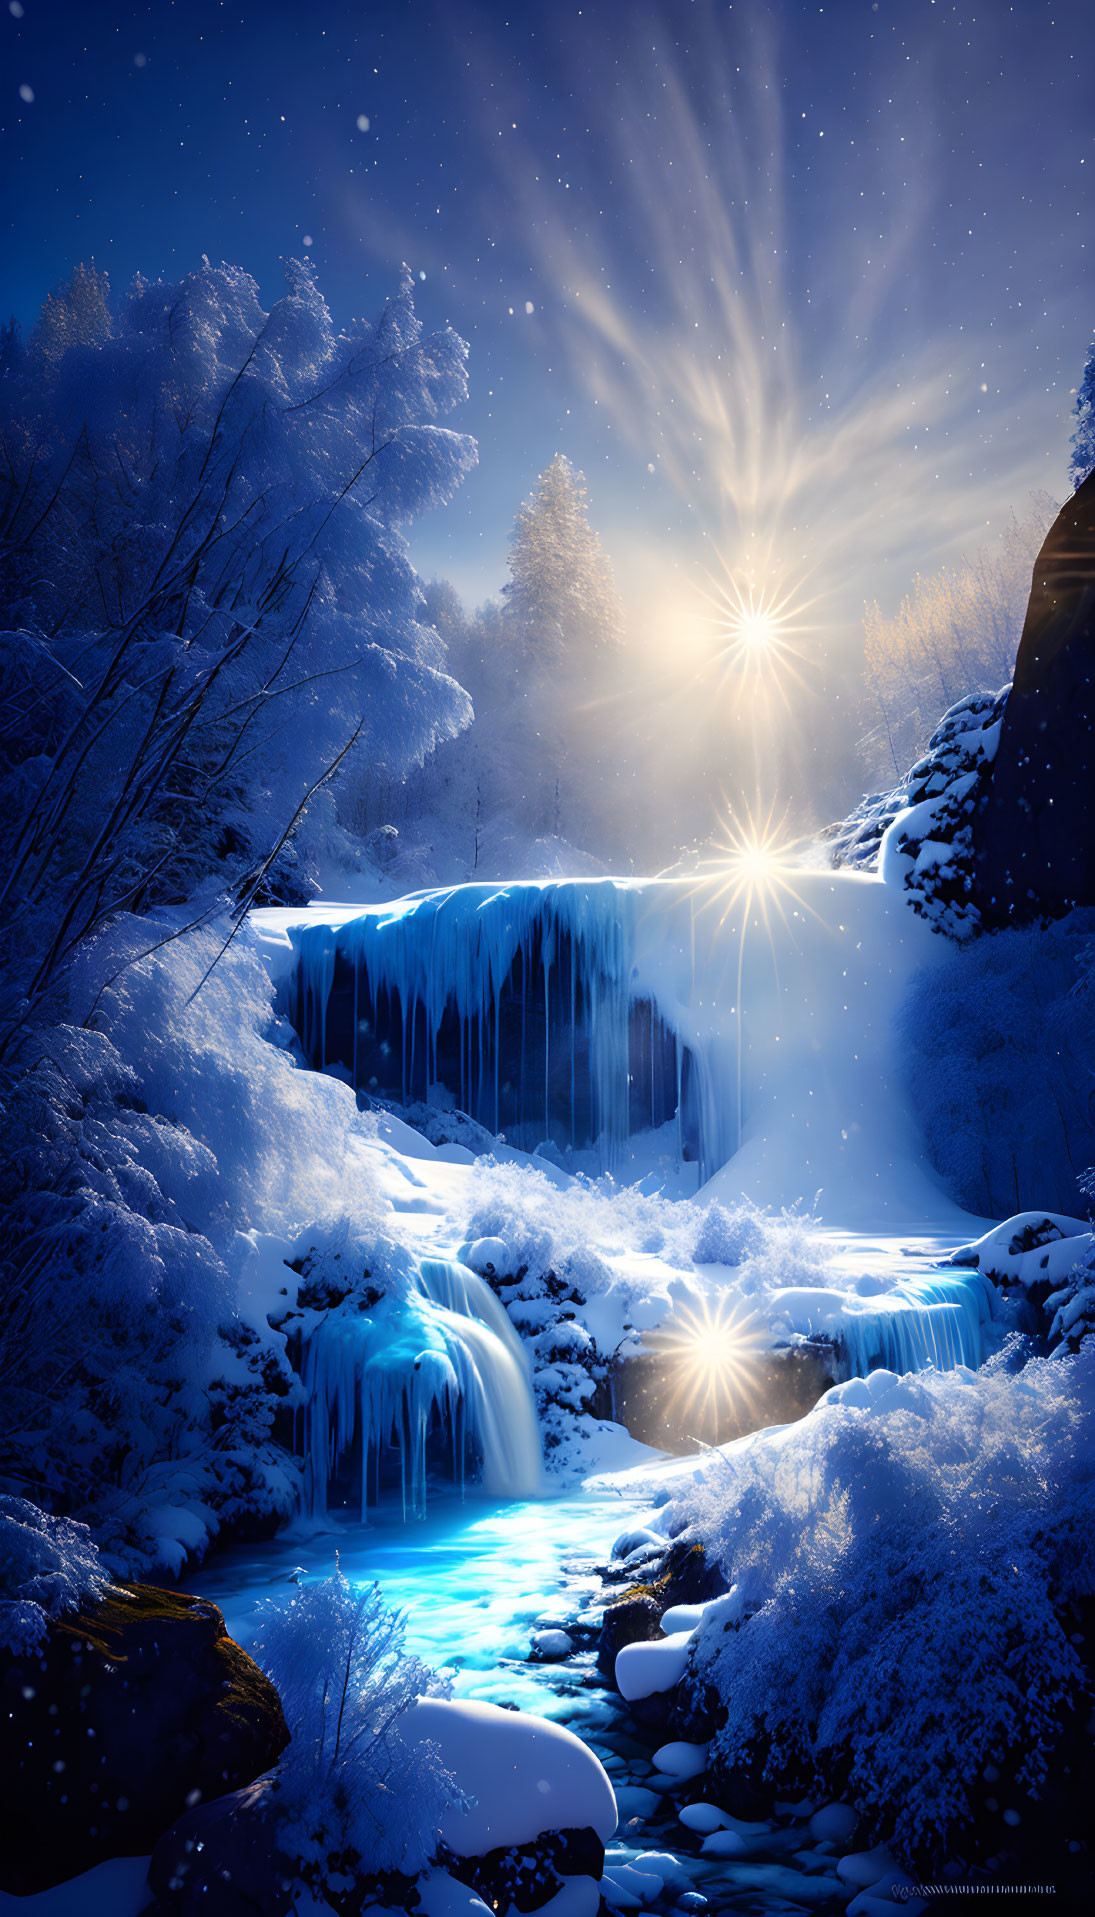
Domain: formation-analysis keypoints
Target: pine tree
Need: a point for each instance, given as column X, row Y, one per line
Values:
column 76, row 313
column 561, row 593
column 1083, row 439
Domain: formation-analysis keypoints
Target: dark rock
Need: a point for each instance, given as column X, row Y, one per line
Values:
column 525, row 1877
column 1034, row 836
column 635, row 1618
column 681, row 1575
column 222, row 1859
column 134, row 1709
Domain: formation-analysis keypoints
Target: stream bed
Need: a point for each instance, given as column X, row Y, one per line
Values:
column 475, row 1581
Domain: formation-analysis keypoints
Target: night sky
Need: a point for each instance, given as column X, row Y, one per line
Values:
column 803, row 289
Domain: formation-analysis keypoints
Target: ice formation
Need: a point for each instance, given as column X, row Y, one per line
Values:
column 520, row 1001
column 936, row 1321
column 443, row 1354
column 585, row 1011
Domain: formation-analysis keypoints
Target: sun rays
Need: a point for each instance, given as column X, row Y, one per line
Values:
column 712, row 1355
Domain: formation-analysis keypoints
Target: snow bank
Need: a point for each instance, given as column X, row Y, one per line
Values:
column 911, row 1539
column 524, row 1775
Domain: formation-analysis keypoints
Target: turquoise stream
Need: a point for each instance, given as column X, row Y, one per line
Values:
column 475, row 1579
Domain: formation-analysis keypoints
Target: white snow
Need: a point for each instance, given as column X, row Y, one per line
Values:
column 552, row 1645
column 525, row 1775
column 642, row 1669
column 1029, row 1248
column 681, row 1760
column 119, row 1886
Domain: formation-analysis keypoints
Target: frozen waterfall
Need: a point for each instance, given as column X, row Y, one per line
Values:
column 440, row 1360
column 762, row 1017
column 528, row 1004
column 586, row 1011
column 937, row 1321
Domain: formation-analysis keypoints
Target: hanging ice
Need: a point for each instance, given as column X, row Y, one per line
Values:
column 588, row 1010
column 441, row 1355
column 522, row 1001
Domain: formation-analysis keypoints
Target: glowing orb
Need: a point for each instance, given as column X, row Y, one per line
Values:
column 712, row 1359
column 756, row 628
column 755, row 631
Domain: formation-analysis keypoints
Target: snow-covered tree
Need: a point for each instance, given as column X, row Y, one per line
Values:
column 206, row 607
column 561, row 594
column 208, row 603
column 1083, row 439
column 559, row 639
column 540, row 777
column 76, row 313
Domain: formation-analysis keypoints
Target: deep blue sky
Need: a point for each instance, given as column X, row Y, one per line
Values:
column 816, row 275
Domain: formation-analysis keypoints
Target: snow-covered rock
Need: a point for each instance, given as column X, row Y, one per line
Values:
column 643, row 1669
column 522, row 1775
column 920, row 835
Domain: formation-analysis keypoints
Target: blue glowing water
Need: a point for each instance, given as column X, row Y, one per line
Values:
column 475, row 1579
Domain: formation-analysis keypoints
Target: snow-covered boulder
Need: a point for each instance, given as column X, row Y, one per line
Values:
column 522, row 1775
column 927, row 848
column 537, row 1810
column 919, row 835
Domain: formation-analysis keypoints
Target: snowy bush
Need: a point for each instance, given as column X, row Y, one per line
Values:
column 905, row 1559
column 144, row 1153
column 352, row 1795
column 1000, row 1045
column 47, row 1566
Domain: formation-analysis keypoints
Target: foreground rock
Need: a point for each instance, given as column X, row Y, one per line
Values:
column 134, row 1709
column 1034, row 837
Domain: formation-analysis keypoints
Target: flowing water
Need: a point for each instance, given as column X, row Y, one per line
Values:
column 475, row 1580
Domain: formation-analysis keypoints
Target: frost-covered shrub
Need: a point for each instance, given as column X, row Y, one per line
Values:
column 147, row 1158
column 547, row 1227
column 728, row 1237
column 1000, row 1045
column 906, row 1557
column 351, row 1793
column 47, row 1566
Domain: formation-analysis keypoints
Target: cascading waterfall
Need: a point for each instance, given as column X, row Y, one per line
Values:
column 442, row 1352
column 937, row 1321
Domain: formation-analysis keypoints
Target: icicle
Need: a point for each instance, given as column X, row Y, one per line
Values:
column 573, row 1030
column 447, row 1351
column 547, row 1045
